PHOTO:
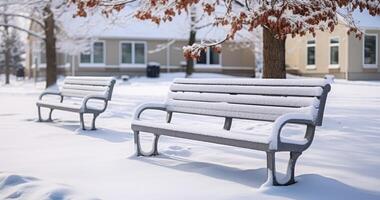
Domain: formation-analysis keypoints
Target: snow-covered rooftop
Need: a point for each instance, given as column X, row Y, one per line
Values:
column 124, row 25
column 366, row 21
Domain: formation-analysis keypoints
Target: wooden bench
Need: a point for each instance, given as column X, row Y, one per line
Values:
column 281, row 101
column 84, row 89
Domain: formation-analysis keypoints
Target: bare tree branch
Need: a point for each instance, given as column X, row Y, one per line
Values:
column 37, row 35
column 37, row 21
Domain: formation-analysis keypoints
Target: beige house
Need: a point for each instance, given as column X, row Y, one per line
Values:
column 338, row 53
column 130, row 56
column 127, row 48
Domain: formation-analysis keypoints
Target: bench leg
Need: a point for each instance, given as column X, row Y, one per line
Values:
column 82, row 121
column 139, row 151
column 40, row 115
column 50, row 114
column 93, row 121
column 271, row 165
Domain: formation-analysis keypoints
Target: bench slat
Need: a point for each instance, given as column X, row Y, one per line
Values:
column 238, row 89
column 258, row 82
column 85, row 87
column 87, row 82
column 80, row 93
column 246, row 99
column 101, row 81
column 267, row 113
column 89, row 78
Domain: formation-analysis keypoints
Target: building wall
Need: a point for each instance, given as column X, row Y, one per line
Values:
column 357, row 70
column 234, row 61
column 350, row 55
column 296, row 53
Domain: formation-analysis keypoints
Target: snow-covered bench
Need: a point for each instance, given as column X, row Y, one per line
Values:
column 84, row 89
column 281, row 101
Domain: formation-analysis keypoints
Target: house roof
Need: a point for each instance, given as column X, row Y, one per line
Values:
column 124, row 25
column 365, row 20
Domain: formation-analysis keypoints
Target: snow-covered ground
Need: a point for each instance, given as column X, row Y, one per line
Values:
column 59, row 161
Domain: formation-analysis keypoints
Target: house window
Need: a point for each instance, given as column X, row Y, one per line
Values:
column 334, row 52
column 38, row 54
column 209, row 57
column 85, row 57
column 42, row 54
column 370, row 50
column 95, row 55
column 98, row 52
column 133, row 53
column 126, row 53
column 311, row 54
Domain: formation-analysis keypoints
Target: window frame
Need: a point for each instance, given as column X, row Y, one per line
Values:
column 37, row 47
column 371, row 66
column 208, row 60
column 42, row 49
column 133, row 64
column 91, row 63
column 334, row 66
column 315, row 51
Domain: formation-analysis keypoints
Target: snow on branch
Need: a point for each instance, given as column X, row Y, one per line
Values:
column 37, row 21
column 37, row 35
column 282, row 17
column 161, row 47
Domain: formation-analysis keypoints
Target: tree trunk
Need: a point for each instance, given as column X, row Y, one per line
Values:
column 30, row 61
column 7, row 51
column 7, row 62
column 51, row 54
column 190, row 62
column 274, row 56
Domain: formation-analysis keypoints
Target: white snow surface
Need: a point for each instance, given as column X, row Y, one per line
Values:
column 59, row 161
column 365, row 20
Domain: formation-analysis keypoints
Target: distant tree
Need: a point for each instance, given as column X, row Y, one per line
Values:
column 43, row 14
column 278, row 18
column 15, row 51
column 6, row 45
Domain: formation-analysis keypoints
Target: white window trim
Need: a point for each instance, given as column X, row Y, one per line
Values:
column 208, row 61
column 315, row 48
column 41, row 64
column 334, row 66
column 39, row 54
column 91, row 63
column 371, row 66
column 133, row 54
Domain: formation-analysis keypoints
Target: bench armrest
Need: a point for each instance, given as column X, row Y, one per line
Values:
column 280, row 122
column 98, row 97
column 56, row 93
column 148, row 106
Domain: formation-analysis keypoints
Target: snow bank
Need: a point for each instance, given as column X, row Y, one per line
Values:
column 14, row 186
column 342, row 162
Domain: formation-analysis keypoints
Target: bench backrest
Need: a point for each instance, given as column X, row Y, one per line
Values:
column 257, row 99
column 81, row 86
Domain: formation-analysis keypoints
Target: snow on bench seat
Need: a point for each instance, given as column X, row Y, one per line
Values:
column 260, row 137
column 67, row 106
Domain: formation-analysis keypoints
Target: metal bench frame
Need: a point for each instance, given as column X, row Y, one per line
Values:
column 84, row 107
column 295, row 150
